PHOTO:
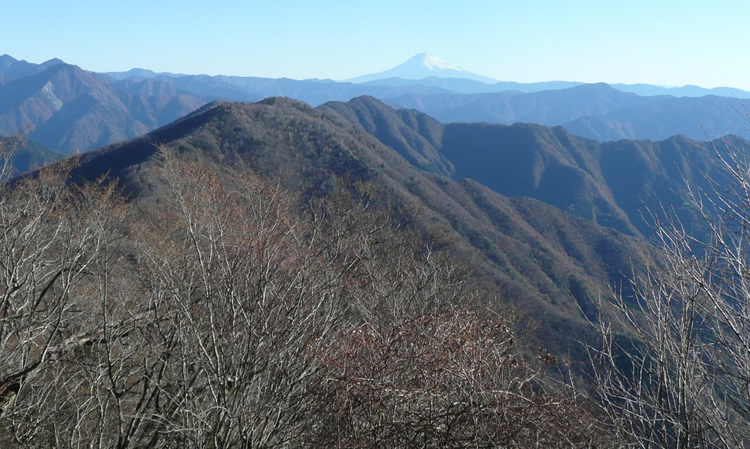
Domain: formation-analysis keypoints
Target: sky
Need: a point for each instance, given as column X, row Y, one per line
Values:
column 662, row 42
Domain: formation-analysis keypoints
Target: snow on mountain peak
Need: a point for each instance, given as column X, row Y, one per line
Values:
column 434, row 63
column 422, row 66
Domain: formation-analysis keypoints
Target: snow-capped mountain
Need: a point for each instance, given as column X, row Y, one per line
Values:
column 422, row 66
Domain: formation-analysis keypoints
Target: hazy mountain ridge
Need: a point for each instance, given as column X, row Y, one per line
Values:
column 596, row 111
column 68, row 109
column 12, row 69
column 703, row 118
column 682, row 91
column 469, row 86
column 429, row 71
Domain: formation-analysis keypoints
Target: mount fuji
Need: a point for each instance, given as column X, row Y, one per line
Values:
column 422, row 66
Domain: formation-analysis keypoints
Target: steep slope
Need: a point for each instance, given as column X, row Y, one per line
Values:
column 520, row 160
column 543, row 258
column 68, row 109
column 608, row 183
column 612, row 183
column 538, row 162
column 414, row 135
column 65, row 107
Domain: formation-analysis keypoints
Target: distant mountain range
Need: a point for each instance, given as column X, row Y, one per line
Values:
column 12, row 69
column 597, row 111
column 67, row 109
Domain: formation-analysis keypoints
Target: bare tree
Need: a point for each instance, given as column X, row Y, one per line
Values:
column 227, row 313
column 55, row 251
column 250, row 301
column 674, row 370
column 450, row 380
column 9, row 148
column 424, row 359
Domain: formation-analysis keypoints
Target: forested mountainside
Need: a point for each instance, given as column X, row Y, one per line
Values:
column 364, row 248
column 484, row 185
column 481, row 183
column 272, row 259
column 302, row 147
column 610, row 183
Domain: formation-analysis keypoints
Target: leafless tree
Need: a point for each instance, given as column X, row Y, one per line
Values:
column 55, row 256
column 250, row 301
column 449, row 380
column 227, row 313
column 674, row 369
column 426, row 356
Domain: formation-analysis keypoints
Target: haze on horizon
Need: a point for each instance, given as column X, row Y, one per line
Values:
column 666, row 43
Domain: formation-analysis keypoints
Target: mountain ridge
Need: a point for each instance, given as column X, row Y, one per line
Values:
column 68, row 109
column 459, row 82
column 605, row 182
column 12, row 69
column 305, row 148
column 106, row 109
column 597, row 111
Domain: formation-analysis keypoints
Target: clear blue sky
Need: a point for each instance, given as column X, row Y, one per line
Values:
column 662, row 42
